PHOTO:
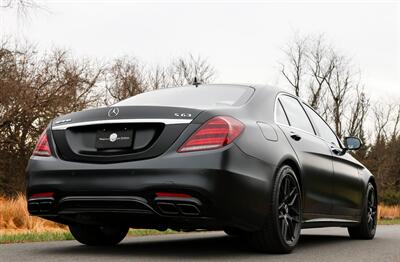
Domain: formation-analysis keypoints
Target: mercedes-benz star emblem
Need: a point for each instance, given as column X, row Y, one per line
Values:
column 113, row 112
column 113, row 137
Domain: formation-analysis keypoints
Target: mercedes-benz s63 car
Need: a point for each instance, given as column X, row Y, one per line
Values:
column 254, row 161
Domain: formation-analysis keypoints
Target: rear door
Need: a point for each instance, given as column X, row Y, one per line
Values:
column 347, row 183
column 313, row 153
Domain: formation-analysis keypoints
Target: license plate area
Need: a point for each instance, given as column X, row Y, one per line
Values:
column 114, row 138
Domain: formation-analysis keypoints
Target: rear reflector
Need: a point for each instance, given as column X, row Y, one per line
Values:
column 215, row 133
column 42, row 147
column 40, row 195
column 168, row 194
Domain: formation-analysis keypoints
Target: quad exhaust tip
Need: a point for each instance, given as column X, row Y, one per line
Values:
column 177, row 204
column 41, row 202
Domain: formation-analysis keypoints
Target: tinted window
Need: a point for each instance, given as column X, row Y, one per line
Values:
column 323, row 129
column 190, row 96
column 295, row 113
column 280, row 114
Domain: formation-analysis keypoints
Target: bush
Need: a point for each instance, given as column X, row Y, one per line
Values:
column 389, row 197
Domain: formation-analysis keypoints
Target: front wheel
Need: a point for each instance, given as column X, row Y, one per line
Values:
column 367, row 228
column 98, row 235
column 281, row 231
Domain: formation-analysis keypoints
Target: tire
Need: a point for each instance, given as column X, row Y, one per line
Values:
column 367, row 227
column 98, row 235
column 281, row 231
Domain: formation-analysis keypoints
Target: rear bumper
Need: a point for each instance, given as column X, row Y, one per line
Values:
column 227, row 188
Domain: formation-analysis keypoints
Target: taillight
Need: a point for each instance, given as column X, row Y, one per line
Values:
column 215, row 133
column 42, row 147
column 42, row 195
column 169, row 194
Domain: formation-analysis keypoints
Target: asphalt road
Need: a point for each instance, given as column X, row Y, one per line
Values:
column 332, row 244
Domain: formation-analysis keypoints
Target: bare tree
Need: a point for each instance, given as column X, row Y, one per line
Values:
column 21, row 6
column 339, row 83
column 358, row 115
column 321, row 63
column 294, row 70
column 125, row 77
column 183, row 70
column 382, row 117
column 158, row 78
column 395, row 132
column 316, row 70
column 34, row 90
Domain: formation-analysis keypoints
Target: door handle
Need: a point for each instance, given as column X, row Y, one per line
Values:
column 335, row 150
column 295, row 136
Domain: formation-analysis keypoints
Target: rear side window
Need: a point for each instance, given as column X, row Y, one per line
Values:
column 201, row 97
column 323, row 129
column 296, row 114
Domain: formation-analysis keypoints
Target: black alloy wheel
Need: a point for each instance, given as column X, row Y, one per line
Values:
column 366, row 229
column 289, row 209
column 281, row 230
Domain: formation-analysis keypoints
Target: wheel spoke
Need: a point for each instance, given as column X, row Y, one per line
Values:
column 285, row 186
column 291, row 203
column 294, row 219
column 290, row 229
column 289, row 208
column 286, row 198
column 284, row 228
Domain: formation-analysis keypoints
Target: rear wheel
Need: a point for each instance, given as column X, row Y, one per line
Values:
column 281, row 231
column 98, row 235
column 367, row 228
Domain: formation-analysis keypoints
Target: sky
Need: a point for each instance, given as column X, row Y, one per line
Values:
column 242, row 40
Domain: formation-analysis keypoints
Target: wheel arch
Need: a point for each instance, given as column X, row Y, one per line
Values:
column 292, row 162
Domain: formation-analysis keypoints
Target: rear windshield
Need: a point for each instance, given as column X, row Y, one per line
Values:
column 190, row 96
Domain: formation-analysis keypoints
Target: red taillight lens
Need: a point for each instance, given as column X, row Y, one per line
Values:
column 42, row 195
column 215, row 133
column 42, row 147
column 169, row 194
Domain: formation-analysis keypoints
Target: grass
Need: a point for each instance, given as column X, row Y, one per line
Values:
column 395, row 221
column 34, row 237
column 7, row 237
column 388, row 212
column 14, row 215
column 17, row 226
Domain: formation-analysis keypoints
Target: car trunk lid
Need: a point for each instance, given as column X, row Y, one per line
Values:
column 116, row 134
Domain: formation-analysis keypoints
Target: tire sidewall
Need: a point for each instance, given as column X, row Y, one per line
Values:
column 282, row 173
column 370, row 233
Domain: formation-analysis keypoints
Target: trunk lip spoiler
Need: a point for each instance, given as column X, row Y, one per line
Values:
column 166, row 121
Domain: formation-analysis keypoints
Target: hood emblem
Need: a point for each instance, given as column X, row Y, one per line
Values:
column 113, row 112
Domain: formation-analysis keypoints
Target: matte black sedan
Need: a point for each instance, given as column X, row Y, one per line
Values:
column 256, row 162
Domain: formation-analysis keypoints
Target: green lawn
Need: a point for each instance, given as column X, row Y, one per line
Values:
column 395, row 221
column 56, row 236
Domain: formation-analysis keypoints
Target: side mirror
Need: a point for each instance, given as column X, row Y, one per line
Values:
column 352, row 143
